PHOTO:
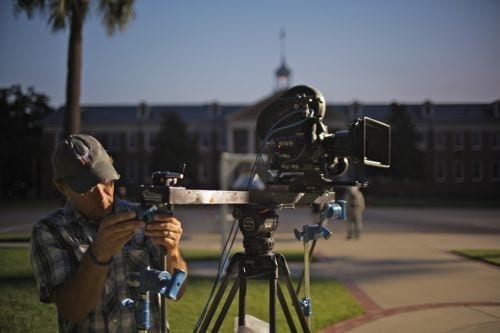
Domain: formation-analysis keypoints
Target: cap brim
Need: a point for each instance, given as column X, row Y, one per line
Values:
column 98, row 173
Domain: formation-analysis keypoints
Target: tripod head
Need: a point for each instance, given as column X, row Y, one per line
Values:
column 257, row 223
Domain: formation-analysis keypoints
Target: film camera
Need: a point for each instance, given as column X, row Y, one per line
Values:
column 303, row 153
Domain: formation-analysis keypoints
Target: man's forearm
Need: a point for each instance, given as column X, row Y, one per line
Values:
column 81, row 293
column 175, row 260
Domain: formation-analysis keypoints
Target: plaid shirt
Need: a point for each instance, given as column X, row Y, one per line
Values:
column 58, row 243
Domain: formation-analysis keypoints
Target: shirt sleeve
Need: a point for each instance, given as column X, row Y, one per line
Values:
column 51, row 260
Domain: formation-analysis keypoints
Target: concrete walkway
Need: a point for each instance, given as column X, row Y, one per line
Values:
column 407, row 282
column 413, row 283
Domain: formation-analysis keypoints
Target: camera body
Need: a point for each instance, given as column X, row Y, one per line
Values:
column 301, row 149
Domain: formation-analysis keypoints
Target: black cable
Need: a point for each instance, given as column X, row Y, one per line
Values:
column 222, row 263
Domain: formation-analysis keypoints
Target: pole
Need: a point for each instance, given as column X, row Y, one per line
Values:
column 163, row 301
column 307, row 283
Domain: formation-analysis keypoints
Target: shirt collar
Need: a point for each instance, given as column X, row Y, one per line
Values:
column 72, row 215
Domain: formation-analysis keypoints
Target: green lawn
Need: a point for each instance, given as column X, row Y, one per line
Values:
column 20, row 310
column 491, row 256
column 427, row 202
column 15, row 236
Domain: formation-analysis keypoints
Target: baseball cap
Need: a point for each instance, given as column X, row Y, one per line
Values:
column 81, row 162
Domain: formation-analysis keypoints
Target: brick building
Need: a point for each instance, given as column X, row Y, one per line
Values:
column 461, row 141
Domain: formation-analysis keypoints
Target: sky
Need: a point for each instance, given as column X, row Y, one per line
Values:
column 204, row 51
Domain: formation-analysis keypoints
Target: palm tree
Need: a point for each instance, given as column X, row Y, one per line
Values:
column 115, row 14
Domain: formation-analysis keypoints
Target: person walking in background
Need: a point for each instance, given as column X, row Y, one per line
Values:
column 355, row 209
column 122, row 192
column 244, row 181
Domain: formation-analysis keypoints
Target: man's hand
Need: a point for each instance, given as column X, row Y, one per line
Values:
column 113, row 233
column 81, row 292
column 166, row 231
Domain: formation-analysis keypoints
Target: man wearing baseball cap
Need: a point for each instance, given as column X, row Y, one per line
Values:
column 82, row 253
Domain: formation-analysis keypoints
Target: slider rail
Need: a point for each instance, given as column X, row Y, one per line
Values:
column 176, row 195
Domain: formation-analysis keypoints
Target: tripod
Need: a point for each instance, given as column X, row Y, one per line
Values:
column 271, row 267
column 257, row 262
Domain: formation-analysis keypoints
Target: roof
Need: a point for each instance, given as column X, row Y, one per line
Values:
column 252, row 112
column 129, row 113
column 444, row 113
column 437, row 113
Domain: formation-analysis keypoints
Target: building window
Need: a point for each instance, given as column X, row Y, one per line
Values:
column 149, row 141
column 131, row 172
column 422, row 140
column 458, row 171
column 439, row 140
column 222, row 141
column 203, row 171
column 495, row 140
column 458, row 141
column 145, row 171
column 241, row 141
column 132, row 139
column 477, row 171
column 440, row 172
column 204, row 140
column 495, row 171
column 114, row 142
column 476, row 140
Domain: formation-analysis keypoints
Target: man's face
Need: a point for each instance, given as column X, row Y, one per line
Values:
column 94, row 204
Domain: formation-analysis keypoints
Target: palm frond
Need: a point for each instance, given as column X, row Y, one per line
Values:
column 59, row 12
column 116, row 14
column 30, row 7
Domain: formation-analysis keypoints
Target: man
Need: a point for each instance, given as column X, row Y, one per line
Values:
column 83, row 253
column 355, row 209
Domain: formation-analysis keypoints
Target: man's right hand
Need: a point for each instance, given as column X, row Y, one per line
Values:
column 114, row 232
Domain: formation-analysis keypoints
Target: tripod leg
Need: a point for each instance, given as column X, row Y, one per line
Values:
column 272, row 304
column 286, row 310
column 231, row 269
column 285, row 273
column 226, row 306
column 241, row 306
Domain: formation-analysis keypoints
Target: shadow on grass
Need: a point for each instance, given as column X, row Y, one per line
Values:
column 16, row 280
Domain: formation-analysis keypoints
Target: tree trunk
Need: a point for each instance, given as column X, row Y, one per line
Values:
column 74, row 72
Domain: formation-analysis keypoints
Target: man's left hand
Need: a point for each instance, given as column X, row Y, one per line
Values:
column 165, row 230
